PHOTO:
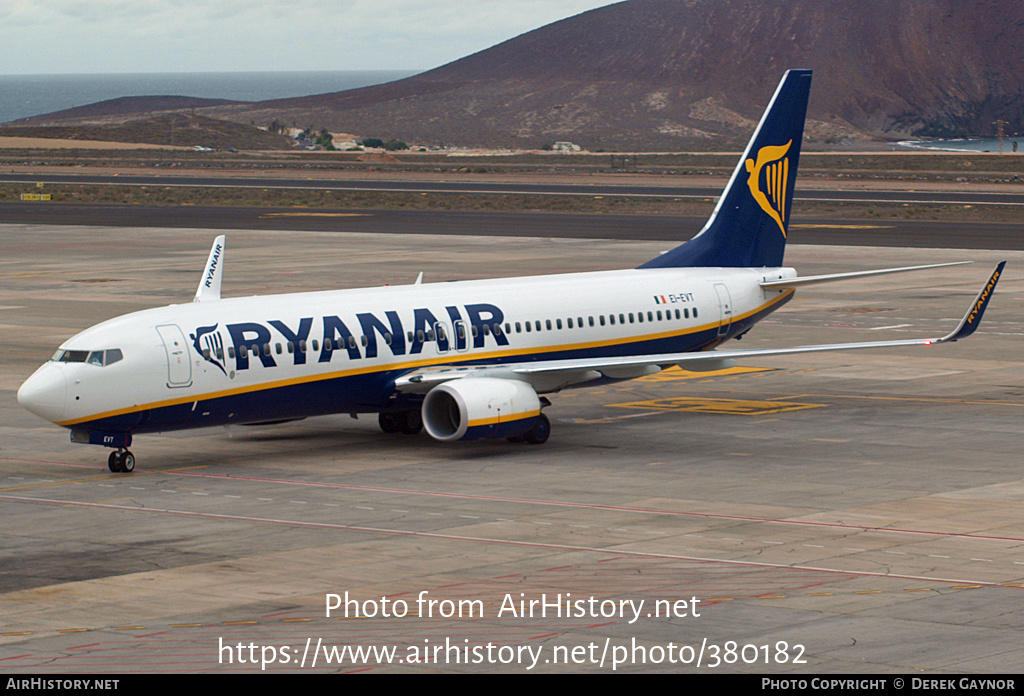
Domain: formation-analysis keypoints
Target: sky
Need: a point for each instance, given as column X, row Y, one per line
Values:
column 117, row 36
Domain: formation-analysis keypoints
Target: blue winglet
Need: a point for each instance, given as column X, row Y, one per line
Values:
column 969, row 324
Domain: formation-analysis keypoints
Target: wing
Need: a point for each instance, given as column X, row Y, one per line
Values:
column 544, row 374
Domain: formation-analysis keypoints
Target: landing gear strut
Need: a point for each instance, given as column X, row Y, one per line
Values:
column 409, row 422
column 121, row 462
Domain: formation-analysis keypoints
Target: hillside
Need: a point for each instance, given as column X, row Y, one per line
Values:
column 163, row 129
column 682, row 74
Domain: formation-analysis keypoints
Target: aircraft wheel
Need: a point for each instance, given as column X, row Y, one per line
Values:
column 113, row 462
column 413, row 422
column 389, row 421
column 127, row 462
column 538, row 435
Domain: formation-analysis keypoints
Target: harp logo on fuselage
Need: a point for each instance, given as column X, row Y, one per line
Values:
column 771, row 160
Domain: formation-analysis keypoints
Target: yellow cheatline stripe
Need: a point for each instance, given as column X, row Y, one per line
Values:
column 447, row 359
column 503, row 419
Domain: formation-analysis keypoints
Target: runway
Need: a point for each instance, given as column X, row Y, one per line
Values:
column 834, row 513
column 447, row 185
column 805, row 229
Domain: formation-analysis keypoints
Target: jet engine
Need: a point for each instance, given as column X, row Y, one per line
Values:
column 474, row 408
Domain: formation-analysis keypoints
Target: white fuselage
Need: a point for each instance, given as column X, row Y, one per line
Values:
column 257, row 359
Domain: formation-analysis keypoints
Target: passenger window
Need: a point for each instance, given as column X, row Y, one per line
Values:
column 420, row 335
column 508, row 328
column 659, row 315
column 536, row 324
column 611, row 318
column 302, row 346
column 640, row 317
column 569, row 322
column 231, row 352
column 519, row 327
column 316, row 344
column 528, row 329
column 694, row 312
column 351, row 342
column 622, row 319
column 290, row 347
column 497, row 329
column 631, row 318
column 387, row 338
column 592, row 321
column 602, row 320
column 266, row 349
column 277, row 347
column 206, row 353
column 686, row 312
column 558, row 324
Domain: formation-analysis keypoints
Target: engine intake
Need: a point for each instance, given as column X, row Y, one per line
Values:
column 475, row 408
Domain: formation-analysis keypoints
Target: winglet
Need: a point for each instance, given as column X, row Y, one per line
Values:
column 209, row 286
column 972, row 319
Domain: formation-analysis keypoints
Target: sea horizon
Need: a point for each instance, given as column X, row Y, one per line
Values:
column 22, row 96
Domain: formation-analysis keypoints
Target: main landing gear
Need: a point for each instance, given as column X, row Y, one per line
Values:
column 121, row 462
column 537, row 435
column 409, row 422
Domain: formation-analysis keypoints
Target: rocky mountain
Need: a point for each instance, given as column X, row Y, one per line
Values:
column 671, row 74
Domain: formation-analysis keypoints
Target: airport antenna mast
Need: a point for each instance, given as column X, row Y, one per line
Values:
column 1000, row 125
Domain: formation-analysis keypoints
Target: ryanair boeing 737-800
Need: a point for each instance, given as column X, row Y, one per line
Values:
column 465, row 360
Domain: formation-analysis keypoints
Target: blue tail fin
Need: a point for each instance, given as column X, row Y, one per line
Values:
column 749, row 224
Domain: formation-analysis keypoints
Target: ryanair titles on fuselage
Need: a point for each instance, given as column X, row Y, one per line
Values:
column 471, row 325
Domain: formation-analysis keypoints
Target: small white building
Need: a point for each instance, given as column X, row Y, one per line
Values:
column 565, row 146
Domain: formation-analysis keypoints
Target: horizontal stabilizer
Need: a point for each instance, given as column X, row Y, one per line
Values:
column 812, row 280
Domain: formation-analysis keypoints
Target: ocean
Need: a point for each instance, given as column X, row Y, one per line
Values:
column 30, row 95
column 972, row 145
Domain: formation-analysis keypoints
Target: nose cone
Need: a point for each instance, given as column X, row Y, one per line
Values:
column 45, row 393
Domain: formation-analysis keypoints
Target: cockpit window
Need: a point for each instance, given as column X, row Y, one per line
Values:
column 71, row 355
column 96, row 357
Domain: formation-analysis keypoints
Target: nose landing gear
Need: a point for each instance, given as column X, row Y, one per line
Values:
column 121, row 462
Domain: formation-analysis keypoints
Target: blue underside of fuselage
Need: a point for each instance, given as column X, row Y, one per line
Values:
column 372, row 392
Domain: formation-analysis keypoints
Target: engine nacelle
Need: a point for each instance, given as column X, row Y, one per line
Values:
column 474, row 408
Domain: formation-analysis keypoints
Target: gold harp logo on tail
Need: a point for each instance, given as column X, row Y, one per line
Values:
column 773, row 161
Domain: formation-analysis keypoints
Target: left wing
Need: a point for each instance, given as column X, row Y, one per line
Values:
column 585, row 369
